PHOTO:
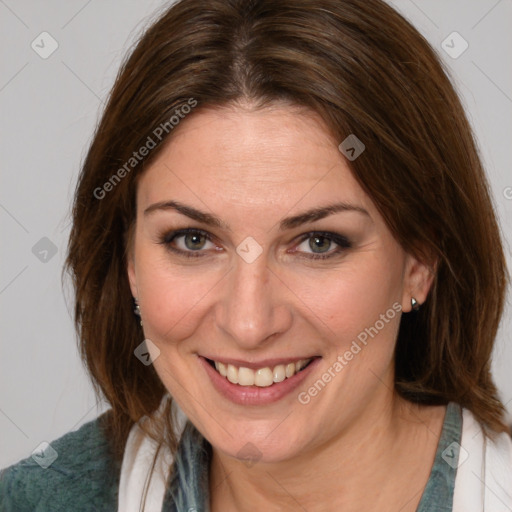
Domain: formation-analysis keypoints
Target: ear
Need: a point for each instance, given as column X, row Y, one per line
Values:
column 130, row 262
column 130, row 267
column 418, row 278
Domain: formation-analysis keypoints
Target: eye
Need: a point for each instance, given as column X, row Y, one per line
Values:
column 322, row 245
column 186, row 242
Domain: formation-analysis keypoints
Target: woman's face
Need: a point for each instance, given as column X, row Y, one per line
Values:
column 255, row 247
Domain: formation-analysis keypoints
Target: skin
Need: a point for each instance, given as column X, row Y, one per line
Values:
column 356, row 442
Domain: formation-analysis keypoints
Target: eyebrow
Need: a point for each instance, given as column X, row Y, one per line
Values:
column 287, row 223
column 188, row 211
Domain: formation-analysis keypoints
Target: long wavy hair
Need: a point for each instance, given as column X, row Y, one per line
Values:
column 365, row 70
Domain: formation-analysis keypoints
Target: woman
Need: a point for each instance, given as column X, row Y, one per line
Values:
column 317, row 276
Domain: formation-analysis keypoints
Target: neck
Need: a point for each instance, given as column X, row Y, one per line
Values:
column 381, row 461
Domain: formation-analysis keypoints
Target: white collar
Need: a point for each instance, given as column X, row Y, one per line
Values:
column 484, row 473
column 138, row 458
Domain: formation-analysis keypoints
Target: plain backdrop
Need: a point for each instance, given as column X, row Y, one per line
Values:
column 49, row 108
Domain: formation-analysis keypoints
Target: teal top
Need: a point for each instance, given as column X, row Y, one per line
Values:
column 84, row 476
column 438, row 493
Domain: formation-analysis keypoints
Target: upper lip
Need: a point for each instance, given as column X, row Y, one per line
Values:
column 254, row 365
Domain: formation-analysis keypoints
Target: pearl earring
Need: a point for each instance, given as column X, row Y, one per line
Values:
column 136, row 309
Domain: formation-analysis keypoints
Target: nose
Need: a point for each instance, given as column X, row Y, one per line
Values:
column 253, row 307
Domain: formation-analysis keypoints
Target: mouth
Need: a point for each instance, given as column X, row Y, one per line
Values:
column 262, row 377
column 258, row 384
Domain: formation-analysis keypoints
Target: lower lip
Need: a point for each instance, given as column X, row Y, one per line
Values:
column 255, row 395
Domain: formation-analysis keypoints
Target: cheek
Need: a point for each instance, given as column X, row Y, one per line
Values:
column 356, row 299
column 173, row 298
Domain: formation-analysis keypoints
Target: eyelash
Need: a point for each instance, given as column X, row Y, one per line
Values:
column 342, row 242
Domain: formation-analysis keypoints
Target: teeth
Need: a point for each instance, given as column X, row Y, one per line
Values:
column 279, row 373
column 221, row 367
column 290, row 370
column 245, row 377
column 300, row 364
column 263, row 377
column 232, row 374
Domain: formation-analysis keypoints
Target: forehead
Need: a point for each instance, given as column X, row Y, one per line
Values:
column 253, row 158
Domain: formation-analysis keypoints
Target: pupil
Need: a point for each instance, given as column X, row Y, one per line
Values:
column 319, row 244
column 194, row 241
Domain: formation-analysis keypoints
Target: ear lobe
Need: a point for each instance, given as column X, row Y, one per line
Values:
column 418, row 278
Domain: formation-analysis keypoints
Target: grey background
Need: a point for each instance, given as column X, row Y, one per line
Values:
column 49, row 109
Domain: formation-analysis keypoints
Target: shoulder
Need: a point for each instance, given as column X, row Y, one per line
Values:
column 75, row 472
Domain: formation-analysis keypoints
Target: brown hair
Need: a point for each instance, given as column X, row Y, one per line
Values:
column 364, row 70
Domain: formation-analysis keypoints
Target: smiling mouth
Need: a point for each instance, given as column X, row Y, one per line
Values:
column 261, row 377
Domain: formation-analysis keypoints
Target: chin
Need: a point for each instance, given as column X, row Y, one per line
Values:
column 253, row 444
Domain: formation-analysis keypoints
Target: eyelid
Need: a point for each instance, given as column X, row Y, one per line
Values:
column 342, row 242
column 335, row 237
column 167, row 238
